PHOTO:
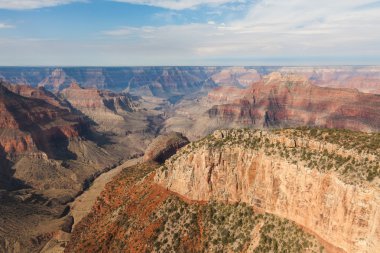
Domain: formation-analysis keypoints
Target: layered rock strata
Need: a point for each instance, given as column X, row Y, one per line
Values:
column 283, row 100
column 312, row 182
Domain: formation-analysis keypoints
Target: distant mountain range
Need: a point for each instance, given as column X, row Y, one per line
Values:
column 168, row 81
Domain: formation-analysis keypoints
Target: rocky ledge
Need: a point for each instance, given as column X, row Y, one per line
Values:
column 327, row 181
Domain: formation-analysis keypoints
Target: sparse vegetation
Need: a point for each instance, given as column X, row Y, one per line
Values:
column 353, row 155
column 218, row 227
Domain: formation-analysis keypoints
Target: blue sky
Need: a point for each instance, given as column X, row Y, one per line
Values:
column 189, row 32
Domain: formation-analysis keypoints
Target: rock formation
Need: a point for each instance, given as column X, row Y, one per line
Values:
column 324, row 180
column 282, row 100
column 57, row 80
column 164, row 146
column 169, row 81
column 156, row 81
column 46, row 158
column 236, row 76
column 104, row 107
column 146, row 217
column 365, row 79
column 39, row 93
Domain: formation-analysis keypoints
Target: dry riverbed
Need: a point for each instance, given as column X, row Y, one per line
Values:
column 82, row 205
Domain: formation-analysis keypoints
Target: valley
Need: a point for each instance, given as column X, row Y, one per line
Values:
column 221, row 159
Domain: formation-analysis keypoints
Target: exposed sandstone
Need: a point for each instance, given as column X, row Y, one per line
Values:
column 173, row 223
column 226, row 167
column 164, row 146
column 286, row 100
column 365, row 79
column 237, row 76
column 104, row 107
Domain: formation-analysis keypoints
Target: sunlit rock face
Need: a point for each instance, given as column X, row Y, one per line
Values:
column 365, row 79
column 255, row 168
column 285, row 100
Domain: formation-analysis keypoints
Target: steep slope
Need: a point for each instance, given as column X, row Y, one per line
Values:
column 172, row 223
column 327, row 181
column 37, row 119
column 46, row 159
column 128, row 122
column 164, row 146
column 46, row 144
column 168, row 81
column 103, row 107
column 57, row 80
column 39, row 93
column 365, row 78
column 282, row 100
column 156, row 81
column 236, row 76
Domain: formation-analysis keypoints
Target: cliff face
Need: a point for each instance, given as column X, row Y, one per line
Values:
column 164, row 146
column 126, row 125
column 56, row 81
column 173, row 223
column 104, row 107
column 39, row 93
column 47, row 155
column 365, row 79
column 37, row 136
column 290, row 100
column 168, row 81
column 95, row 99
column 156, row 81
column 27, row 122
column 237, row 76
column 289, row 176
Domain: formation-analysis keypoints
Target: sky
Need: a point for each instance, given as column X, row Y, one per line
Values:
column 189, row 32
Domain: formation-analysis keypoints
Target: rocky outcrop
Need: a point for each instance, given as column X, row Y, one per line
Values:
column 365, row 79
column 236, row 76
column 107, row 109
column 37, row 136
column 28, row 122
column 169, row 81
column 164, row 146
column 46, row 159
column 283, row 100
column 100, row 100
column 39, row 93
column 279, row 174
column 156, row 81
column 57, row 80
column 173, row 223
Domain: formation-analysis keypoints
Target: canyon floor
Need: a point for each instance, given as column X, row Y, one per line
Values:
column 83, row 204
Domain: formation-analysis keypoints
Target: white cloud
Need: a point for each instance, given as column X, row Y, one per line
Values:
column 5, row 26
column 272, row 28
column 32, row 4
column 317, row 31
column 180, row 4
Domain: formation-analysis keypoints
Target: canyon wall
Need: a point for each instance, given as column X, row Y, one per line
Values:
column 224, row 168
column 105, row 108
column 287, row 100
column 156, row 81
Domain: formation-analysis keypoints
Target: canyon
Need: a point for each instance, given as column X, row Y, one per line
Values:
column 288, row 100
column 47, row 155
column 168, row 81
column 156, row 81
column 300, row 157
column 236, row 190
